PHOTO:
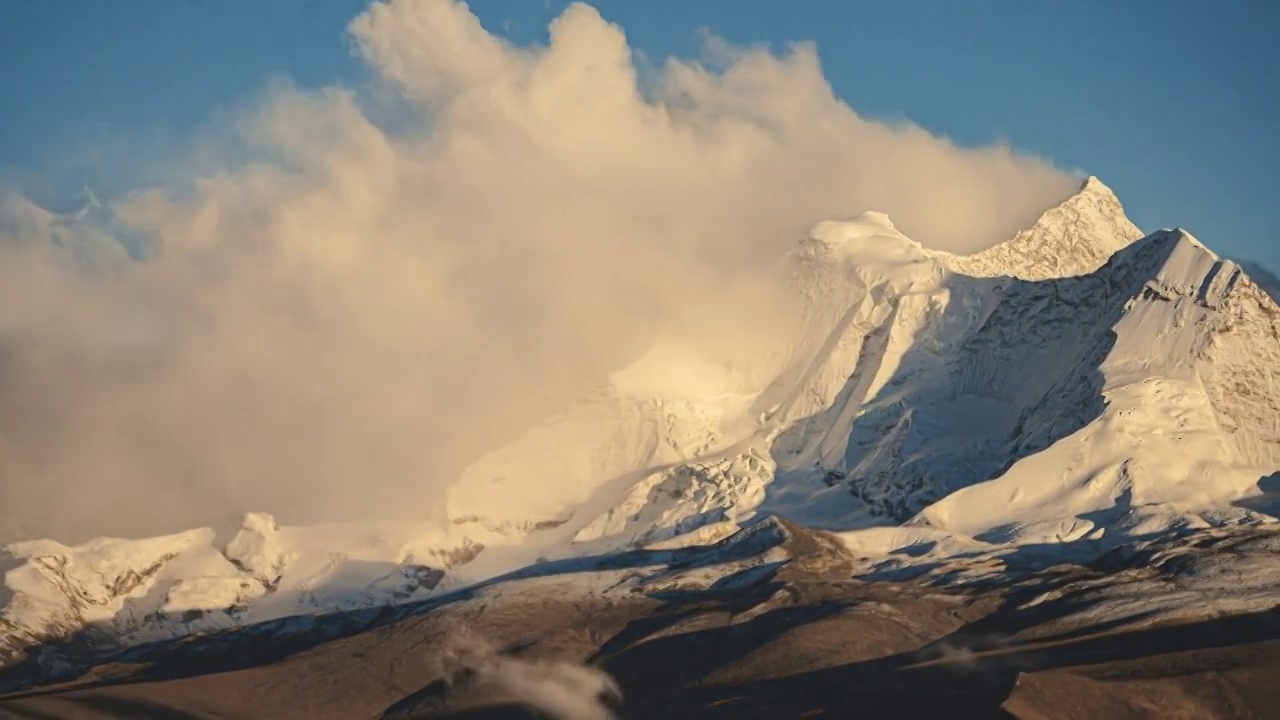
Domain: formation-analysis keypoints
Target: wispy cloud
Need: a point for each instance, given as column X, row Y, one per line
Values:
column 559, row 689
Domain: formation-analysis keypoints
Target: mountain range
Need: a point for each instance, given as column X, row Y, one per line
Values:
column 1078, row 390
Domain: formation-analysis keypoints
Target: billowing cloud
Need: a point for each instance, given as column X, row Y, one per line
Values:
column 398, row 281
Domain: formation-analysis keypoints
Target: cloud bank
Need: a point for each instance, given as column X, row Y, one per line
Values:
column 397, row 281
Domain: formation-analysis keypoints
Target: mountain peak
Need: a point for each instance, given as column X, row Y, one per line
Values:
column 1093, row 186
column 1076, row 237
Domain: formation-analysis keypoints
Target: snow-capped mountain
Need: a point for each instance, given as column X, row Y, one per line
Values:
column 913, row 380
column 1076, row 384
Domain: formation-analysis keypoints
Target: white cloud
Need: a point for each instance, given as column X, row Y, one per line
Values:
column 336, row 328
column 558, row 689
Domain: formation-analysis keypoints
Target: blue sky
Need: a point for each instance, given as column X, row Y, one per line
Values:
column 1171, row 102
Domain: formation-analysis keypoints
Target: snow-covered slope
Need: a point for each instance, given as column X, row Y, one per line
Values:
column 130, row 591
column 1074, row 384
column 1155, row 409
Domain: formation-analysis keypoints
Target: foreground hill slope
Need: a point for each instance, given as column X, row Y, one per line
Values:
column 767, row 624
